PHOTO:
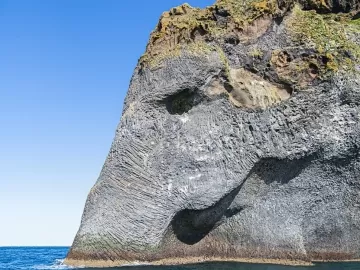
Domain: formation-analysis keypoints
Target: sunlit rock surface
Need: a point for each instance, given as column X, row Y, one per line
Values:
column 239, row 139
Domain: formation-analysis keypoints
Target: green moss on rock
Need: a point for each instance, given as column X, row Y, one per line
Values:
column 192, row 29
column 327, row 35
column 246, row 11
column 355, row 24
column 186, row 25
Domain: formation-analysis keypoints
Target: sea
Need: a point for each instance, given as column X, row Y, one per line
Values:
column 42, row 258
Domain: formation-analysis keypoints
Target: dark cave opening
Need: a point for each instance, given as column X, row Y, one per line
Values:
column 186, row 230
column 191, row 226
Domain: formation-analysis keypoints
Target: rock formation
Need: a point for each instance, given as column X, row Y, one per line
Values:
column 239, row 138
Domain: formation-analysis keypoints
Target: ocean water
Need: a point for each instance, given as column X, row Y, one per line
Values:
column 43, row 258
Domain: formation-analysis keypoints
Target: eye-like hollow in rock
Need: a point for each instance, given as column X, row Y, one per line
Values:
column 183, row 101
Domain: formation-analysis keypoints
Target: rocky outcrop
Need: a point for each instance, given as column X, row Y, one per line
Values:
column 239, row 139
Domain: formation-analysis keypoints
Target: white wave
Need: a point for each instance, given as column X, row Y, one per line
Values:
column 58, row 264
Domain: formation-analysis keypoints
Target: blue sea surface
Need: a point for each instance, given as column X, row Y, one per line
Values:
column 32, row 257
column 42, row 258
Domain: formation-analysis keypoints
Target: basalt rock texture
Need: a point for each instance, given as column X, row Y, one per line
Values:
column 239, row 138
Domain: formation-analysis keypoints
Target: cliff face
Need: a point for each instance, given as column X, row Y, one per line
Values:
column 239, row 139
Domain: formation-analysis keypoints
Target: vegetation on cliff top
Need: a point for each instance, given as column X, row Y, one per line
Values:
column 328, row 35
column 185, row 25
column 200, row 30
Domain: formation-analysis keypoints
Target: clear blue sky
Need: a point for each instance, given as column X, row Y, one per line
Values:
column 65, row 67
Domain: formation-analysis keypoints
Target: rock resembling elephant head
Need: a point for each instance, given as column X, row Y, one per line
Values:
column 238, row 139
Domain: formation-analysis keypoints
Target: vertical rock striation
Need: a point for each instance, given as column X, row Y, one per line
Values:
column 239, row 139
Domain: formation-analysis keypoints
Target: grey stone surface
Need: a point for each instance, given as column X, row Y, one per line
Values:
column 208, row 178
